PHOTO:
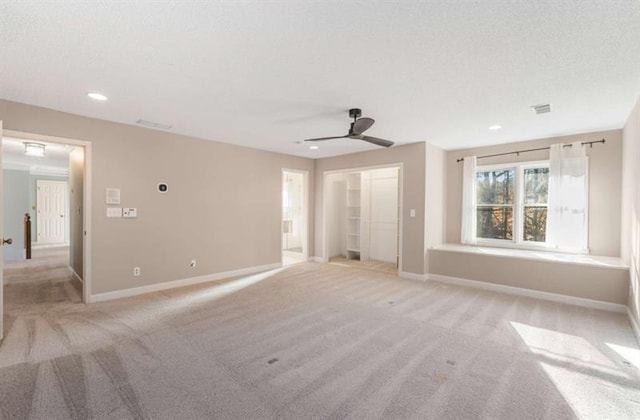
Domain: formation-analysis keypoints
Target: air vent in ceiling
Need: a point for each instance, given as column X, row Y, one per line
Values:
column 152, row 124
column 542, row 108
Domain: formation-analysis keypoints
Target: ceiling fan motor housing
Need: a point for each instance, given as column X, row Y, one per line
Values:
column 355, row 112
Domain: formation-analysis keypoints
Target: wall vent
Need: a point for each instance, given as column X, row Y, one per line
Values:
column 542, row 108
column 152, row 124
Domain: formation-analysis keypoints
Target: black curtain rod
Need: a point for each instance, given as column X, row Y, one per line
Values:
column 517, row 152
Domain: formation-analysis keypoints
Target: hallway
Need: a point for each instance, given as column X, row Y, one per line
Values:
column 44, row 279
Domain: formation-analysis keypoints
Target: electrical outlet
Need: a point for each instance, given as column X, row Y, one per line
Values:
column 193, row 263
column 136, row 271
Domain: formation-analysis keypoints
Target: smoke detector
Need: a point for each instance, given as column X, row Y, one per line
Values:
column 542, row 108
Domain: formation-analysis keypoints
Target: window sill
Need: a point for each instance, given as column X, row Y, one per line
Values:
column 556, row 257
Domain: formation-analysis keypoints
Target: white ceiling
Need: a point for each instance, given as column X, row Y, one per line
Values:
column 54, row 162
column 269, row 74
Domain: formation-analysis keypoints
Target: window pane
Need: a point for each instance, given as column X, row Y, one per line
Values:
column 535, row 223
column 495, row 222
column 495, row 187
column 536, row 185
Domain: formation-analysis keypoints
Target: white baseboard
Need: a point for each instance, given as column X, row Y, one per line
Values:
column 634, row 325
column 318, row 259
column 413, row 276
column 118, row 294
column 518, row 291
column 74, row 274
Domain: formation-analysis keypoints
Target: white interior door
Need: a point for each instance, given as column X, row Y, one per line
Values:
column 383, row 228
column 51, row 204
column 1, row 242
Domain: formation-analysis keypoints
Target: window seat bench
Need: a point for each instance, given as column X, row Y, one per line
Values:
column 527, row 254
column 586, row 280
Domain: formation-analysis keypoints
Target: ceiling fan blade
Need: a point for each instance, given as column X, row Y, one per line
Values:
column 375, row 140
column 326, row 138
column 363, row 124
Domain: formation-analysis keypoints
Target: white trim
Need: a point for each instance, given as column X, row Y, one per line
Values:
column 87, row 195
column 634, row 325
column 536, row 294
column 118, row 294
column 318, row 259
column 74, row 274
column 413, row 276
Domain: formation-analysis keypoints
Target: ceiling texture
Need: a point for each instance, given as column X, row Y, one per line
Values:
column 270, row 74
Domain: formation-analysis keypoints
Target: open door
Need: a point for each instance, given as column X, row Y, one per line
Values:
column 294, row 216
column 1, row 253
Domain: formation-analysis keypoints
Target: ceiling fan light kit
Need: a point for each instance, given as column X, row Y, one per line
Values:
column 358, row 126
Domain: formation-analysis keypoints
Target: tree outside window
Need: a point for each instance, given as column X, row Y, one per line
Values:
column 495, row 204
column 511, row 203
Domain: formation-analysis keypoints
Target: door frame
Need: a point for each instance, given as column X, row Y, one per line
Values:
column 325, row 243
column 305, row 211
column 86, row 216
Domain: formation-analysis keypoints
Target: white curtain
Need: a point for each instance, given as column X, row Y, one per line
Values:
column 469, row 218
column 567, row 199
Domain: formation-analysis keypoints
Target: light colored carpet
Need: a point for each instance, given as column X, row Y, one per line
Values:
column 46, row 264
column 385, row 267
column 315, row 341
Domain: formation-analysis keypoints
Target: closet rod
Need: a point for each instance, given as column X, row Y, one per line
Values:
column 517, row 152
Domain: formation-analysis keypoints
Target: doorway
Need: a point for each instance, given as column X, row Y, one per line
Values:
column 362, row 223
column 294, row 242
column 62, row 260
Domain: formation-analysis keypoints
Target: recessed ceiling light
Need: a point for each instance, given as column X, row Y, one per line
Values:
column 314, row 147
column 97, row 96
column 495, row 127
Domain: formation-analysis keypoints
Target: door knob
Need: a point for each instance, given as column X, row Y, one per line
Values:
column 7, row 241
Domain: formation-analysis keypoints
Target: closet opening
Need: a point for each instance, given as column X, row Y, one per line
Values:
column 294, row 216
column 362, row 210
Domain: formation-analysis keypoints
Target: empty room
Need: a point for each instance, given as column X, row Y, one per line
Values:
column 317, row 209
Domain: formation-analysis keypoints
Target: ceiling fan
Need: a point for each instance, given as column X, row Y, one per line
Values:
column 358, row 126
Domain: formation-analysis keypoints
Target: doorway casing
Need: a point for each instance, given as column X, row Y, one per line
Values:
column 305, row 211
column 325, row 243
column 86, row 216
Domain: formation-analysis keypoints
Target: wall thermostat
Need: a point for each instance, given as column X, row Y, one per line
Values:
column 162, row 187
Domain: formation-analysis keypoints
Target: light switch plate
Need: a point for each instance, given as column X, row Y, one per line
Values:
column 412, row 213
column 113, row 195
column 130, row 212
column 114, row 212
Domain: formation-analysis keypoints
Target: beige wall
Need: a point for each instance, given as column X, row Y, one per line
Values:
column 605, row 175
column 435, row 194
column 223, row 207
column 412, row 157
column 630, row 238
column 76, row 209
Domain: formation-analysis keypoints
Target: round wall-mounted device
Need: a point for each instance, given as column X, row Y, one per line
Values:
column 163, row 187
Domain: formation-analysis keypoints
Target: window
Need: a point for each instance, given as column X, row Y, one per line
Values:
column 511, row 203
column 534, row 215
